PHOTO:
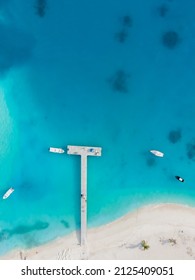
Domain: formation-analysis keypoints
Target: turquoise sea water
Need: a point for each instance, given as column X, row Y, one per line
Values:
column 94, row 73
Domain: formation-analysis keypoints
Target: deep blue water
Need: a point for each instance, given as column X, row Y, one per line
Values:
column 112, row 73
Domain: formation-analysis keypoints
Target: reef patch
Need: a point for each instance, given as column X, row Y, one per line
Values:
column 40, row 8
column 191, row 150
column 119, row 81
column 174, row 136
column 170, row 39
column 163, row 10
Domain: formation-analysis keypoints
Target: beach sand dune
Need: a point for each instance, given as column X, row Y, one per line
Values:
column 168, row 229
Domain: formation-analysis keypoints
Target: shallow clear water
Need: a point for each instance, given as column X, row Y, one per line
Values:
column 79, row 73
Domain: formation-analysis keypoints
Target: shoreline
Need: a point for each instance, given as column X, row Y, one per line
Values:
column 157, row 224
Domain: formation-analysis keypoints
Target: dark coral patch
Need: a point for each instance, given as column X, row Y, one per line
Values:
column 40, row 7
column 22, row 229
column 162, row 10
column 170, row 39
column 65, row 223
column 119, row 82
column 191, row 150
column 174, row 136
column 121, row 36
column 127, row 21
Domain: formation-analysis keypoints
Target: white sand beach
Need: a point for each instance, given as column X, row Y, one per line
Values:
column 168, row 229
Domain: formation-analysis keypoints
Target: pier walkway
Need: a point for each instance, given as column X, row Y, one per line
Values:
column 84, row 151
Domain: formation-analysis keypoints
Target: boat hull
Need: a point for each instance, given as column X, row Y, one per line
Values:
column 56, row 150
column 157, row 153
column 8, row 193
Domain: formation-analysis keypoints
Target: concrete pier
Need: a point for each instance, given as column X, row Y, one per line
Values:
column 84, row 151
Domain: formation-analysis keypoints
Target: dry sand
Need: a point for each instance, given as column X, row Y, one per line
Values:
column 169, row 230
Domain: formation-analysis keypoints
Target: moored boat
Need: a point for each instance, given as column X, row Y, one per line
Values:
column 157, row 153
column 56, row 150
column 8, row 192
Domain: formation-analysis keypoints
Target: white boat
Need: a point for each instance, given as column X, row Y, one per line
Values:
column 157, row 153
column 8, row 192
column 56, row 150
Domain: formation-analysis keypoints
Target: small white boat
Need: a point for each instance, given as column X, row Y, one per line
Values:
column 157, row 153
column 7, row 194
column 56, row 150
